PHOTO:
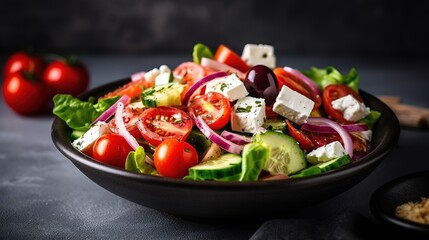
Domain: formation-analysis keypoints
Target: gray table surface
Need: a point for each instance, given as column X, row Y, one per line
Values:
column 44, row 196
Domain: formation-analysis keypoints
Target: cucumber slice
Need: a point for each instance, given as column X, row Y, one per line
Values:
column 324, row 167
column 275, row 124
column 226, row 165
column 162, row 95
column 235, row 177
column 335, row 163
column 286, row 157
column 313, row 170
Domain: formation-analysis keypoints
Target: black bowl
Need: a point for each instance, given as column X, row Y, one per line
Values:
column 213, row 200
column 409, row 188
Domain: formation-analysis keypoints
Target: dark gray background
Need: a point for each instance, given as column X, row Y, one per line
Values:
column 43, row 196
column 365, row 28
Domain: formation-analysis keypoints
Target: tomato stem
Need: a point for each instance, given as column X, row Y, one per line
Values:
column 29, row 75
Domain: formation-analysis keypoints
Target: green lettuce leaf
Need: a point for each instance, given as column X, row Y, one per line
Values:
column 371, row 119
column 254, row 157
column 330, row 75
column 200, row 50
column 136, row 162
column 79, row 114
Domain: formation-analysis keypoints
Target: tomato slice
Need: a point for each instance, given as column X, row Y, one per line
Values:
column 269, row 113
column 133, row 89
column 303, row 140
column 225, row 55
column 190, row 72
column 286, row 79
column 158, row 124
column 333, row 92
column 214, row 109
column 130, row 116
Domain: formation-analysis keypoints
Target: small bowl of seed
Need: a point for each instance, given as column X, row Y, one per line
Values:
column 404, row 202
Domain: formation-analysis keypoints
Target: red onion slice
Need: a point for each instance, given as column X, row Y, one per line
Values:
column 111, row 110
column 199, row 84
column 218, row 66
column 216, row 138
column 305, row 79
column 235, row 138
column 122, row 130
column 149, row 161
column 347, row 139
column 355, row 127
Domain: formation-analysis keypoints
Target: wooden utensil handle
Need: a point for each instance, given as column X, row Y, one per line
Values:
column 408, row 115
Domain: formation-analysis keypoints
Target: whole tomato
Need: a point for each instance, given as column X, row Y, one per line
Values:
column 66, row 76
column 111, row 149
column 24, row 61
column 24, row 93
column 173, row 158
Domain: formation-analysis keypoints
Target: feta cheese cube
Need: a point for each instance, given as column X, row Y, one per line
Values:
column 293, row 105
column 254, row 54
column 230, row 86
column 326, row 153
column 159, row 76
column 85, row 142
column 164, row 69
column 151, row 75
column 352, row 109
column 163, row 78
column 248, row 114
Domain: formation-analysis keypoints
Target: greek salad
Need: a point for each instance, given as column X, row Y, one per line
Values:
column 225, row 117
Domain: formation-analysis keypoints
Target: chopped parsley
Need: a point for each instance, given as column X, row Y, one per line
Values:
column 242, row 110
column 223, row 86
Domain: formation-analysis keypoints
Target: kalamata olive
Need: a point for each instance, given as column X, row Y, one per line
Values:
column 260, row 81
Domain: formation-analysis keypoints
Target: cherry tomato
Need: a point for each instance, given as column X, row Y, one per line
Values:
column 24, row 61
column 173, row 158
column 303, row 140
column 286, row 79
column 161, row 123
column 225, row 55
column 133, row 89
column 130, row 117
column 214, row 109
column 111, row 149
column 66, row 77
column 333, row 92
column 24, row 94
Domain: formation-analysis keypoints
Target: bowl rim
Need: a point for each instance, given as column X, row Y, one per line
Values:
column 389, row 141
